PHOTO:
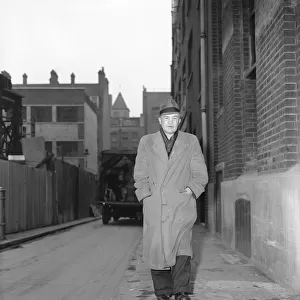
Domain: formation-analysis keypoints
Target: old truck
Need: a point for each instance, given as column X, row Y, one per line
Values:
column 117, row 197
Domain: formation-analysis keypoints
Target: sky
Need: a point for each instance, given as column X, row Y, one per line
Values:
column 131, row 39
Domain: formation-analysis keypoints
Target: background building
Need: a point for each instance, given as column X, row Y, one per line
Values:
column 151, row 104
column 69, row 117
column 125, row 131
column 237, row 62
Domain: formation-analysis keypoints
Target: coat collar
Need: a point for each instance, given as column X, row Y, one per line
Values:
column 160, row 149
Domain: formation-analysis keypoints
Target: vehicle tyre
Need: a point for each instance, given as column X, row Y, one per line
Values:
column 105, row 216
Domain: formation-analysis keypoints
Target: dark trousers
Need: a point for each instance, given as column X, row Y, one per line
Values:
column 175, row 280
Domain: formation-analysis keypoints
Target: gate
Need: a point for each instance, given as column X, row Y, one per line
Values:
column 243, row 227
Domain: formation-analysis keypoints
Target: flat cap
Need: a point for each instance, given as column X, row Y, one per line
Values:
column 169, row 106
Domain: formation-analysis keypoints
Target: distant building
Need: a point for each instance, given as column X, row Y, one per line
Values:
column 120, row 109
column 151, row 104
column 125, row 131
column 73, row 118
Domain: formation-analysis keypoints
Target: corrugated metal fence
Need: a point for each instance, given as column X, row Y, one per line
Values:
column 37, row 197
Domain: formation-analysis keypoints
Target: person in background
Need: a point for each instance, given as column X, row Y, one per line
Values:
column 170, row 174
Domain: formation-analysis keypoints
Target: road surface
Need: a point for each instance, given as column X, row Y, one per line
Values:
column 85, row 263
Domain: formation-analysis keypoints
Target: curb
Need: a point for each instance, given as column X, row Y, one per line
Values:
column 14, row 242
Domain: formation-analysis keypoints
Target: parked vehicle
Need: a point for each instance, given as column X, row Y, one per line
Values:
column 116, row 186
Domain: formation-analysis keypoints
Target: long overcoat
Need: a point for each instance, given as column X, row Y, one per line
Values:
column 169, row 212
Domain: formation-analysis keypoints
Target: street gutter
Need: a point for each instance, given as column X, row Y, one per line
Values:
column 15, row 239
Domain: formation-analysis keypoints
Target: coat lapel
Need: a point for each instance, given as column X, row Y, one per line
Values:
column 178, row 148
column 159, row 148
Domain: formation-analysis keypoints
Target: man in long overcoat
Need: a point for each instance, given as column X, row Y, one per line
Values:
column 170, row 174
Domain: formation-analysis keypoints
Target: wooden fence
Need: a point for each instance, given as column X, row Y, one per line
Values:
column 37, row 197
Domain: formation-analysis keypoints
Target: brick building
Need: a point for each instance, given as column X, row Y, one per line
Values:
column 125, row 131
column 70, row 117
column 236, row 65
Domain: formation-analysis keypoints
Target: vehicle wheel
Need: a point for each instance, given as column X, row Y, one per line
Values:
column 116, row 219
column 105, row 216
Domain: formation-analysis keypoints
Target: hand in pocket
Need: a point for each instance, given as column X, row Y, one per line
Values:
column 187, row 191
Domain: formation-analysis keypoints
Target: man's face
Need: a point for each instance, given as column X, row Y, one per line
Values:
column 169, row 122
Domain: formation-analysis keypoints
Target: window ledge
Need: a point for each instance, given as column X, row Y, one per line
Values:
column 250, row 73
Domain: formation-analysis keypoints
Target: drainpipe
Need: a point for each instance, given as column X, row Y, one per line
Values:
column 204, row 85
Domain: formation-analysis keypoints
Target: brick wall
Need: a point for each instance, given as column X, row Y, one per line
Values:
column 298, row 72
column 231, row 122
column 193, row 76
column 215, row 138
column 276, row 85
column 248, row 89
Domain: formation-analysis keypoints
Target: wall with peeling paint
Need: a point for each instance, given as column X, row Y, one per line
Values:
column 275, row 221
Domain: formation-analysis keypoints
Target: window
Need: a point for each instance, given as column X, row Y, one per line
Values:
column 95, row 100
column 183, row 19
column 252, row 33
column 188, row 6
column 80, row 131
column 114, row 137
column 251, row 71
column 70, row 149
column 124, row 136
column 24, row 113
column 48, row 147
column 24, row 131
column 190, row 53
column 70, row 114
column 41, row 113
column 135, row 135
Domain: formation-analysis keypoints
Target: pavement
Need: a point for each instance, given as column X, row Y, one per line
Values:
column 218, row 274
column 14, row 239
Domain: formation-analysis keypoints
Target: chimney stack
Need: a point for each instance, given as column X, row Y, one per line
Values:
column 24, row 78
column 101, row 75
column 53, row 78
column 72, row 78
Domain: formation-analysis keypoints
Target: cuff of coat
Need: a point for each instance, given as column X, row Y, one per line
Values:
column 142, row 194
column 196, row 189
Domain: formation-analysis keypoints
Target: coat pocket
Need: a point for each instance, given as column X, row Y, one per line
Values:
column 184, row 194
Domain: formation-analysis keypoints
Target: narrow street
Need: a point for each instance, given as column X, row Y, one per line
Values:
column 87, row 262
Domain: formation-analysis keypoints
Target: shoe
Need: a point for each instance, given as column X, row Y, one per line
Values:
column 182, row 296
column 163, row 297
